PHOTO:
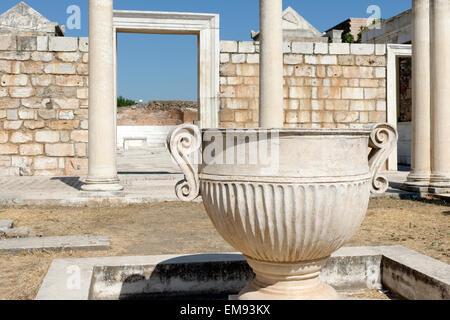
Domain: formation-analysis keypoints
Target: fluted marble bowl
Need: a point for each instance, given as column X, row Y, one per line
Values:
column 287, row 199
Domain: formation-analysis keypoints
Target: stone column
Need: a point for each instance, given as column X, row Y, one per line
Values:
column 102, row 141
column 421, row 99
column 271, row 110
column 440, row 99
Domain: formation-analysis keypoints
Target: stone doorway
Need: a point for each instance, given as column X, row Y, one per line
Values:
column 206, row 28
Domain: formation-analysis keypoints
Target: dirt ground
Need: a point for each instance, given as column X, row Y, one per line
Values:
column 178, row 228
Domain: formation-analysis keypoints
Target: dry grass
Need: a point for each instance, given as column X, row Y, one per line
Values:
column 165, row 228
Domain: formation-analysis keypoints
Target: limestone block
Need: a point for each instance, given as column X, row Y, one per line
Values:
column 56, row 92
column 21, row 92
column 329, row 93
column 42, row 43
column 355, row 72
column 33, row 124
column 238, row 58
column 12, row 125
column 63, row 44
column 8, row 42
column 353, row 94
column 300, row 92
column 334, row 71
column 5, row 66
column 247, row 70
column 69, row 81
column 336, row 105
column 339, row 48
column 318, row 59
column 293, row 59
column 303, row 47
column 12, row 114
column 227, row 70
column 234, row 104
column 364, row 117
column 321, row 48
column 362, row 48
column 21, row 162
column 380, row 49
column 252, row 58
column 7, row 103
column 14, row 80
column 31, row 67
column 377, row 116
column 66, row 115
column 374, row 61
column 63, row 124
column 84, row 124
column 76, row 167
column 224, row 57
column 45, row 163
column 246, row 47
column 242, row 116
column 291, row 117
column 317, row 105
column 380, row 72
column 5, row 161
column 374, row 93
column 47, row 136
column 305, row 71
column 60, row 68
column 42, row 56
column 381, row 105
column 81, row 149
column 288, row 71
column 304, row 116
column 27, row 114
column 83, row 44
column 368, row 83
column 321, row 71
column 69, row 56
column 3, row 137
column 26, row 43
column 4, row 92
column 321, row 116
column 346, row 117
column 42, row 80
column 66, row 103
column 228, row 46
column 228, row 91
column 35, row 103
column 9, row 148
column 83, row 93
column 346, row 60
column 287, row 47
column 362, row 105
column 15, row 55
column 247, row 91
column 353, row 82
column 60, row 150
column 86, row 58
column 83, row 69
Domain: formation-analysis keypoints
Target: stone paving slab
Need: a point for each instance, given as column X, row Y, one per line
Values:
column 54, row 243
column 6, row 224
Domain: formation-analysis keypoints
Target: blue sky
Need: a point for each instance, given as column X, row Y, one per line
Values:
column 165, row 67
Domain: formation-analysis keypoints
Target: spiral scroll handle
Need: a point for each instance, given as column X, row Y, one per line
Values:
column 383, row 140
column 184, row 142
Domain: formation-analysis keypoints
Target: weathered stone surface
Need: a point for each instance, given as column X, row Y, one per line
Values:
column 64, row 124
column 60, row 68
column 63, row 44
column 6, row 224
column 228, row 46
column 303, row 47
column 8, row 148
column 21, row 92
column 32, row 149
column 54, row 243
column 68, row 104
column 16, row 233
column 27, row 43
column 45, row 163
column 83, row 44
column 8, row 42
column 47, row 136
column 66, row 115
column 60, row 150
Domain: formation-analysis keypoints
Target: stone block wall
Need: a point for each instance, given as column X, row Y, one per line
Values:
column 336, row 85
column 43, row 105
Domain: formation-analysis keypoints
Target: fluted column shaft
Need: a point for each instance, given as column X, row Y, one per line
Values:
column 421, row 99
column 440, row 100
column 271, row 110
column 102, row 139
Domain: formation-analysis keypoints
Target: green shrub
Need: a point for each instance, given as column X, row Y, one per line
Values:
column 349, row 38
column 124, row 102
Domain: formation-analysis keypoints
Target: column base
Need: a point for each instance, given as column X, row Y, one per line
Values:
column 109, row 187
column 288, row 281
column 439, row 184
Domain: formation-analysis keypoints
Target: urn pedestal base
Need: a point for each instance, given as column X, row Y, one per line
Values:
column 288, row 281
